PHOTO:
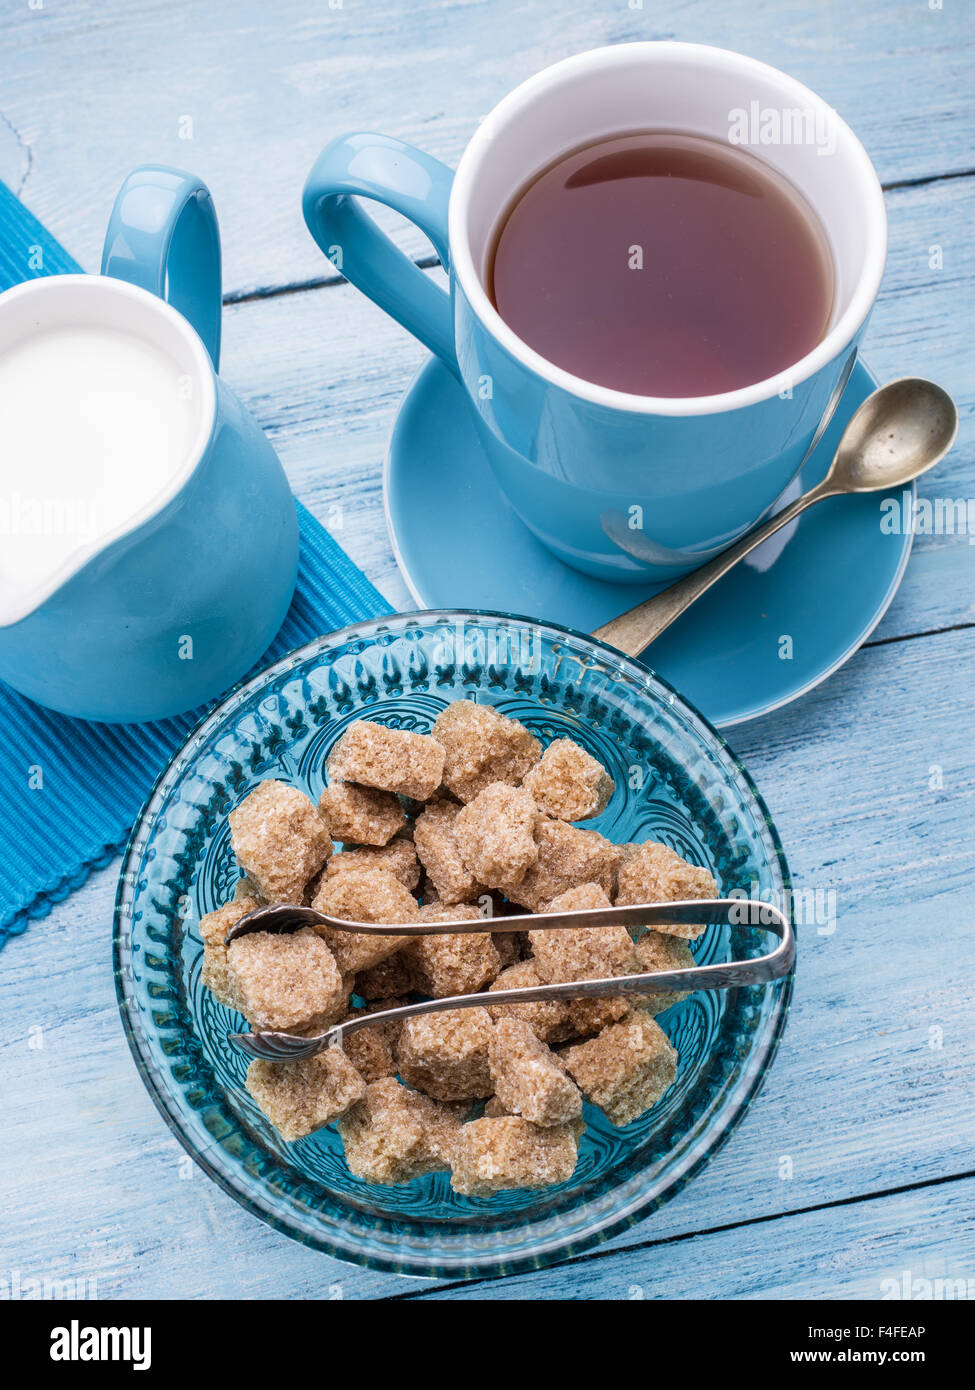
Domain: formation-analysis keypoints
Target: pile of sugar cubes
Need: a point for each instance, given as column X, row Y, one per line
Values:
column 472, row 819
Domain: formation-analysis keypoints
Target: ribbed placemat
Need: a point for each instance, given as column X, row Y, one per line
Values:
column 70, row 790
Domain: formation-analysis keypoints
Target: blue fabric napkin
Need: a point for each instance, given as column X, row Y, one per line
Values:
column 70, row 790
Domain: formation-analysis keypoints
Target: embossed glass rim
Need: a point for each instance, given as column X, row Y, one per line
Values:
column 610, row 1211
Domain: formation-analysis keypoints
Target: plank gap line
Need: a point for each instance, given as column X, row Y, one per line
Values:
column 910, row 636
column 922, row 180
column 590, row 1256
column 323, row 282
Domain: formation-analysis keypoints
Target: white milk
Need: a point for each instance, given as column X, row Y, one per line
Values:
column 97, row 427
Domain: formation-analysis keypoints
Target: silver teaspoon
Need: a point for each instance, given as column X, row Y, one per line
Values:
column 898, row 433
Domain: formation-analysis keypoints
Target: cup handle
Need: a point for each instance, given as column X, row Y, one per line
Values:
column 163, row 236
column 413, row 184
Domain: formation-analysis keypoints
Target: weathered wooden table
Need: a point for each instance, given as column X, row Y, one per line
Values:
column 855, row 1165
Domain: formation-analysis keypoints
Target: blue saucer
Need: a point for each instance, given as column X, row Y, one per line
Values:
column 781, row 622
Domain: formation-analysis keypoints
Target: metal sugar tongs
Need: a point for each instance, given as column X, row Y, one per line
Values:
column 746, row 912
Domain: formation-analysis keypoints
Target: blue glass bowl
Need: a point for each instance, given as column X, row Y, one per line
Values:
column 676, row 781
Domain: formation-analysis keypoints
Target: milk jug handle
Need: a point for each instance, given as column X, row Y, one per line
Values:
column 163, row 236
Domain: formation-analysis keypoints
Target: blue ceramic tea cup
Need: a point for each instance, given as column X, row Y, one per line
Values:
column 151, row 536
column 621, row 486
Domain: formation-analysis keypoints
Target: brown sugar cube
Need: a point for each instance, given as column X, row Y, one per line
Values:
column 494, row 1110
column 397, row 858
column 214, row 927
column 392, row 760
column 482, row 746
column 655, row 873
column 279, row 839
column 364, row 895
column 360, row 815
column 585, row 953
column 656, row 951
column 437, row 911
column 390, row 978
column 493, row 1155
column 625, row 1069
column 496, row 834
column 582, row 897
column 439, row 853
column 529, row 1079
column 568, row 783
column 371, row 1054
column 457, row 962
column 549, row 1019
column 395, row 1135
column 287, row 982
column 300, row 1097
column 454, row 963
column 582, row 953
column 372, row 1050
column 588, row 1016
column 567, row 857
column 446, row 1054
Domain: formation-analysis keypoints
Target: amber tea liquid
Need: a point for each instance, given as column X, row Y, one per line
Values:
column 663, row 264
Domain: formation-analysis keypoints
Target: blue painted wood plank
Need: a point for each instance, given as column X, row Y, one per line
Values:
column 246, row 94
